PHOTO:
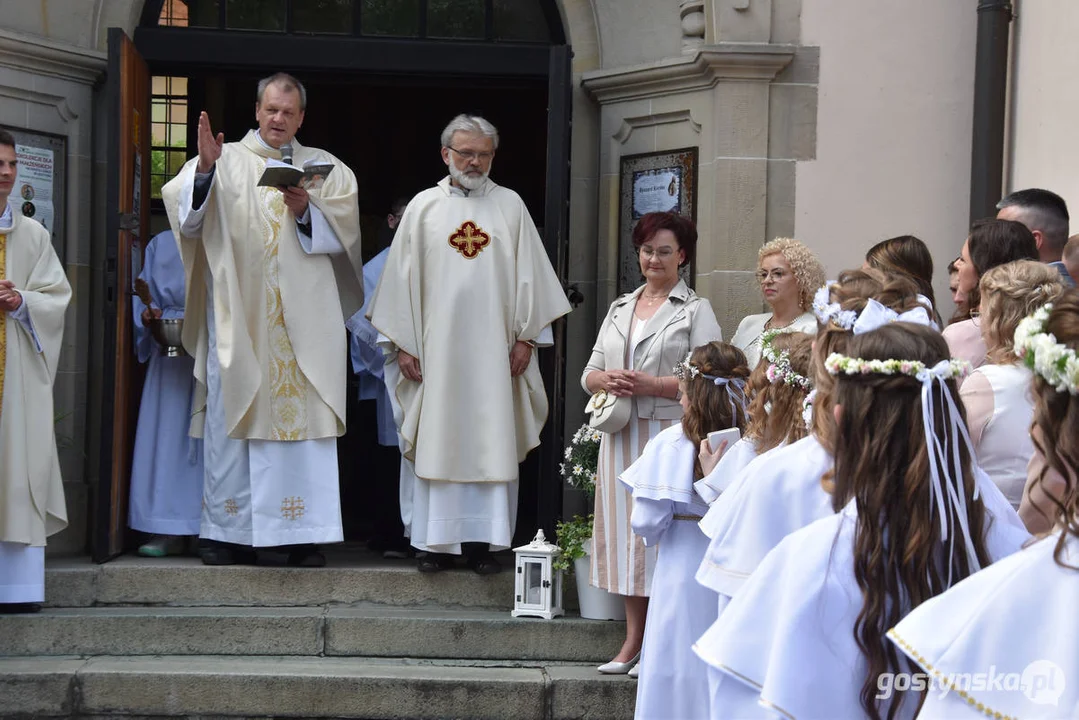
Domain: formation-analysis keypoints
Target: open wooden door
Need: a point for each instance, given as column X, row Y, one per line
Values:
column 127, row 230
column 556, row 241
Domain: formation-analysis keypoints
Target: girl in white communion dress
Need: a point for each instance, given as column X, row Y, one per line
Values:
column 805, row 636
column 666, row 512
column 972, row 643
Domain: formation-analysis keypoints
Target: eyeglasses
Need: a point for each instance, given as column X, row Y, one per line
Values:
column 976, row 317
column 470, row 155
column 777, row 275
column 663, row 252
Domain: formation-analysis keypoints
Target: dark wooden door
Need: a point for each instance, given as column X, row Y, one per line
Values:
column 127, row 230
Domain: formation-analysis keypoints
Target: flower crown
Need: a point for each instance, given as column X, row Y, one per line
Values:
column 827, row 311
column 735, row 387
column 874, row 315
column 685, row 370
column 838, row 364
column 779, row 369
column 1040, row 351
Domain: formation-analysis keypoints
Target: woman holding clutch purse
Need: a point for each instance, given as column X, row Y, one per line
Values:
column 645, row 334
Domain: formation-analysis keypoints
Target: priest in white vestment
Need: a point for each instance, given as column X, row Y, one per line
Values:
column 468, row 292
column 272, row 273
column 34, row 293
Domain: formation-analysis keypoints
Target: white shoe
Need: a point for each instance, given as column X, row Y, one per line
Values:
column 162, row 545
column 634, row 671
column 619, row 668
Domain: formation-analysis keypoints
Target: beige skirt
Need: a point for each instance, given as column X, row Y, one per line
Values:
column 620, row 562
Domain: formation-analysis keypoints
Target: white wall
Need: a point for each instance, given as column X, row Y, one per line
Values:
column 1045, row 100
column 893, row 128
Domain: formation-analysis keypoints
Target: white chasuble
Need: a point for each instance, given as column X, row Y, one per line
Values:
column 466, row 277
column 264, row 319
column 279, row 311
column 31, row 490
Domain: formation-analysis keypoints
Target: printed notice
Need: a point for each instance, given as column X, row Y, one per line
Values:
column 34, row 184
column 656, row 191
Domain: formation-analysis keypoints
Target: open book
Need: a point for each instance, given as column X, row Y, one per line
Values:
column 310, row 177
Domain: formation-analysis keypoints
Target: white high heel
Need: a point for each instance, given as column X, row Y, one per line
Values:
column 619, row 668
column 634, row 671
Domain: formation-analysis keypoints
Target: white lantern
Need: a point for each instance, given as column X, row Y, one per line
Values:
column 537, row 586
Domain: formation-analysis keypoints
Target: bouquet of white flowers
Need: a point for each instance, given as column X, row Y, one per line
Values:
column 579, row 470
column 582, row 460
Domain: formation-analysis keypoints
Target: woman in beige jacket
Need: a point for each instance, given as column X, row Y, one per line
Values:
column 644, row 335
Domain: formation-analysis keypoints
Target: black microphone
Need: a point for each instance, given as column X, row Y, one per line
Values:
column 286, row 153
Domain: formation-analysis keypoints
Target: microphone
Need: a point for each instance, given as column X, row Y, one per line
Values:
column 286, row 153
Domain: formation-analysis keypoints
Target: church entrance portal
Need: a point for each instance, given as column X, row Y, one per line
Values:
column 379, row 104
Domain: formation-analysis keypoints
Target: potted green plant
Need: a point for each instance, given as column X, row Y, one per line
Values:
column 574, row 536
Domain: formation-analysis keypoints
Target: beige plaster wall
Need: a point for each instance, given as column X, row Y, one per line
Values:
column 1044, row 143
column 894, row 119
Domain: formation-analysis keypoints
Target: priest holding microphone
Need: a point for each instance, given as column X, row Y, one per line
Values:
column 271, row 274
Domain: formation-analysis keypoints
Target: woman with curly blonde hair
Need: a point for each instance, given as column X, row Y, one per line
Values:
column 967, row 630
column 789, row 273
column 997, row 394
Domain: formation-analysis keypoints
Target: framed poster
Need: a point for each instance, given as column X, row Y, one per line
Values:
column 40, row 181
column 663, row 181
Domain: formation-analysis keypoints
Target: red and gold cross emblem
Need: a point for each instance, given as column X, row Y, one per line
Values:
column 469, row 239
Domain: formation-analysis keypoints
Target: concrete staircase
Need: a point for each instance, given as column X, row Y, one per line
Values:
column 362, row 638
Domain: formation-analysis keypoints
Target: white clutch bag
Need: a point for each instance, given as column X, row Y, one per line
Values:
column 606, row 412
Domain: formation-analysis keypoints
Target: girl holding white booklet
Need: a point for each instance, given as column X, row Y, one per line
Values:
column 666, row 510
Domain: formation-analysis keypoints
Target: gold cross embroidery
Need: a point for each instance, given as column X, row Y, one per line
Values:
column 292, row 508
column 469, row 239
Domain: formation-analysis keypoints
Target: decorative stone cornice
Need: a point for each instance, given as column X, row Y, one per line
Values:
column 701, row 70
column 41, row 56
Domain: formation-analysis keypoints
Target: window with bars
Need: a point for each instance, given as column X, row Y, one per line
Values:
column 530, row 21
column 168, row 130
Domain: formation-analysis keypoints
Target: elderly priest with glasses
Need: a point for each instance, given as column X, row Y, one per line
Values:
column 272, row 271
column 466, row 295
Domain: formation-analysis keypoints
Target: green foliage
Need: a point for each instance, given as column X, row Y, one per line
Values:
column 571, row 537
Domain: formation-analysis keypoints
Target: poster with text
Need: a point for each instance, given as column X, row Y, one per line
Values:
column 34, row 182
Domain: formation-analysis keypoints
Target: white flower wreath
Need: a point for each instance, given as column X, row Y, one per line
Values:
column 779, row 369
column 1041, row 352
column 838, row 364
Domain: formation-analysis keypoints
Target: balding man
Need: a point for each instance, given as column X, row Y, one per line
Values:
column 1046, row 215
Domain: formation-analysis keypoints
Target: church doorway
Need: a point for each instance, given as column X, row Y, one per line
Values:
column 383, row 77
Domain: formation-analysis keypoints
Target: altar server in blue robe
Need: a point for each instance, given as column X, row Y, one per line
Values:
column 166, row 472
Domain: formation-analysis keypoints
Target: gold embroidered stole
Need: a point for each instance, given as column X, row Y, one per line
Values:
column 288, row 384
column 3, row 319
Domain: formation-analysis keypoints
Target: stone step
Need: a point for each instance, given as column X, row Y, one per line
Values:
column 357, row 631
column 170, row 686
column 347, row 579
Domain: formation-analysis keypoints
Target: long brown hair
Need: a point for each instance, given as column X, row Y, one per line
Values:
column 1056, row 417
column 710, row 406
column 852, row 291
column 882, row 463
column 783, row 423
column 906, row 255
